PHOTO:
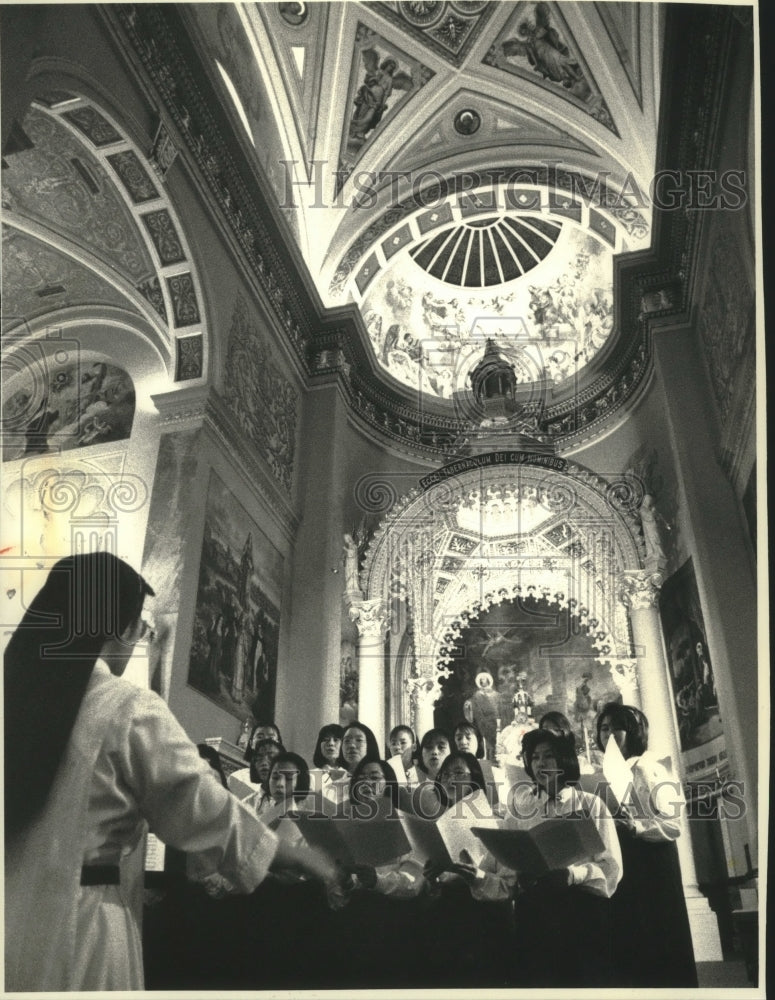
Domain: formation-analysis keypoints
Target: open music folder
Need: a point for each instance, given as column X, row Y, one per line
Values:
column 441, row 841
column 556, row 843
column 353, row 840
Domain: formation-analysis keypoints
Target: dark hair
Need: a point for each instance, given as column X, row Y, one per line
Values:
column 372, row 747
column 401, row 728
column 473, row 765
column 563, row 748
column 428, row 738
column 211, row 755
column 254, row 755
column 302, row 782
column 391, row 785
column 266, row 724
column 465, row 724
column 558, row 719
column 332, row 729
column 632, row 721
column 86, row 600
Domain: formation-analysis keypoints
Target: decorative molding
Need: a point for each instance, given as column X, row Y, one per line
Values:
column 640, row 589
column 189, row 359
column 233, row 442
column 371, row 618
column 163, row 151
column 262, row 400
column 182, row 406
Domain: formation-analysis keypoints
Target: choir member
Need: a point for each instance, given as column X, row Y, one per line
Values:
column 649, row 905
column 568, row 906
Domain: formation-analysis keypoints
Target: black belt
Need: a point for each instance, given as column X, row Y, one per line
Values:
column 100, row 875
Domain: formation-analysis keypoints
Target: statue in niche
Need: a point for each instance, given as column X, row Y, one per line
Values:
column 651, row 522
column 351, row 558
column 510, row 738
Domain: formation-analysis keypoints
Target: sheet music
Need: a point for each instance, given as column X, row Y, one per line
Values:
column 556, row 843
column 616, row 772
column 154, row 854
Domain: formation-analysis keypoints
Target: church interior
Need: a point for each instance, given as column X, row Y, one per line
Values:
column 409, row 351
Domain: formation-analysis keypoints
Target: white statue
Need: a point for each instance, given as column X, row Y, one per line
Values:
column 650, row 521
column 351, row 556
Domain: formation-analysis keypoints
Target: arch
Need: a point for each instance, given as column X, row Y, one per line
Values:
column 501, row 531
column 172, row 300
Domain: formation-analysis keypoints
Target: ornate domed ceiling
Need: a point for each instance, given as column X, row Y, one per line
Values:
column 459, row 170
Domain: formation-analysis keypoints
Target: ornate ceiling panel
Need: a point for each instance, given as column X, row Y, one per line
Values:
column 59, row 184
column 537, row 45
column 298, row 39
column 38, row 279
column 466, row 155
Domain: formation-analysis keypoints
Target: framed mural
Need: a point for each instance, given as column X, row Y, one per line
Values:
column 517, row 661
column 54, row 406
column 237, row 620
column 691, row 673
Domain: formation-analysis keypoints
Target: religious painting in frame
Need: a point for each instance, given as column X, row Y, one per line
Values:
column 700, row 729
column 237, row 619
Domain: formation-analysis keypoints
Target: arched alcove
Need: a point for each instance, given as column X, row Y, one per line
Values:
column 502, row 533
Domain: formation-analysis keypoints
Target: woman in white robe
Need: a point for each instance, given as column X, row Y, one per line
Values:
column 113, row 763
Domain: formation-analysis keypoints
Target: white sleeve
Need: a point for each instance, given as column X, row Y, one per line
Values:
column 603, row 873
column 660, row 799
column 403, row 879
column 183, row 801
column 494, row 881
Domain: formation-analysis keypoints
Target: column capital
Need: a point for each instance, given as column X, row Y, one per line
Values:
column 640, row 589
column 625, row 677
column 425, row 688
column 371, row 618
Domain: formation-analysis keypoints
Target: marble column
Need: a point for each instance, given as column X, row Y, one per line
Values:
column 372, row 621
column 641, row 596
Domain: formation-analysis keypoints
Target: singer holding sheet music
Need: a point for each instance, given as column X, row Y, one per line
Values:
column 472, row 916
column 375, row 937
column 651, row 926
column 114, row 761
column 568, row 906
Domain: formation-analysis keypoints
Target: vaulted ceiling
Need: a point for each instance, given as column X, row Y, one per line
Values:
column 448, row 172
column 460, row 169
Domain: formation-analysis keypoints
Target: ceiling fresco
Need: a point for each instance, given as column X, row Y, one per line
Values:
column 371, row 107
column 549, row 322
column 536, row 44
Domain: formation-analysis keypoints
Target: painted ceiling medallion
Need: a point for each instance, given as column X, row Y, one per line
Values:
column 293, row 13
column 422, row 13
column 467, row 121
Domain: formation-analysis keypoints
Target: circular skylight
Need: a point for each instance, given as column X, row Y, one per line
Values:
column 489, row 251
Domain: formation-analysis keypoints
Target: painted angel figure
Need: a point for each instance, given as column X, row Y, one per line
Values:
column 540, row 43
column 380, row 80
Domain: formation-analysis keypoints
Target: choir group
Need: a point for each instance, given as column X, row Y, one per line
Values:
column 614, row 918
column 416, row 867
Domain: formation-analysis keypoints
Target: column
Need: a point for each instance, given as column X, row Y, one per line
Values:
column 641, row 595
column 372, row 621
